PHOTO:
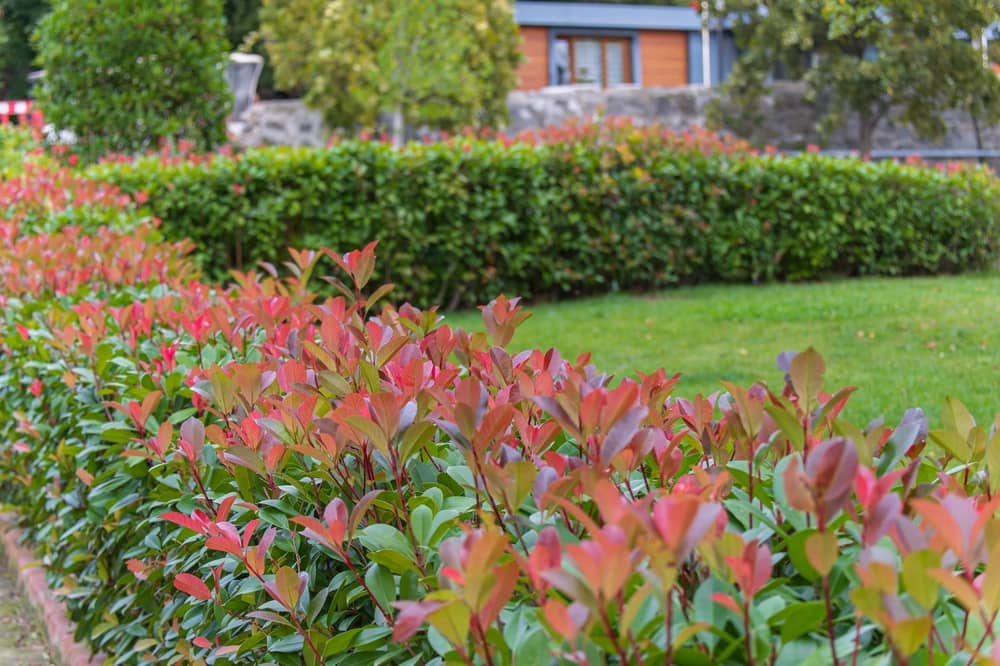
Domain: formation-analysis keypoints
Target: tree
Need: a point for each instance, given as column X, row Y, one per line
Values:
column 870, row 57
column 439, row 63
column 125, row 74
column 17, row 54
column 242, row 18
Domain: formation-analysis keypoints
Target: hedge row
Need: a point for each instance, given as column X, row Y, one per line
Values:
column 260, row 476
column 460, row 223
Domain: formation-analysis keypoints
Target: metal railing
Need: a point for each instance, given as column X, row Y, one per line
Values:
column 927, row 154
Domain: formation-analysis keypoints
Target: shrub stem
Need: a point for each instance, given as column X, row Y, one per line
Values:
column 829, row 620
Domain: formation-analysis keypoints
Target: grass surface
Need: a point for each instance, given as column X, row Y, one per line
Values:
column 903, row 342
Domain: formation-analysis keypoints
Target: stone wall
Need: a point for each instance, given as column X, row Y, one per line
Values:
column 286, row 122
column 787, row 120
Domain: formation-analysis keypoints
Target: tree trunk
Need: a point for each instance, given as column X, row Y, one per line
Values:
column 398, row 126
column 979, row 133
column 866, row 133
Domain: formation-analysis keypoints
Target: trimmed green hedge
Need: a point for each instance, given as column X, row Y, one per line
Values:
column 459, row 223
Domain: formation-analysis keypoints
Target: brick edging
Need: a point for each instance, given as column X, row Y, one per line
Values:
column 30, row 578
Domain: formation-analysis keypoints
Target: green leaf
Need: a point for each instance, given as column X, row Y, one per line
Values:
column 453, row 621
column 957, row 417
column 380, row 536
column 524, row 476
column 992, row 457
column 922, row 587
column 821, row 550
column 382, row 584
column 316, row 605
column 710, row 614
column 273, row 516
column 806, row 371
column 286, row 580
column 252, row 642
column 796, row 549
column 952, row 443
column 287, row 644
column 532, row 649
column 394, row 560
column 415, row 437
column 798, row 619
column 910, row 633
column 116, row 432
column 341, row 641
column 789, row 425
column 420, row 522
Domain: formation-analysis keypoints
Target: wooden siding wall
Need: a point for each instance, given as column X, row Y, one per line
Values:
column 664, row 57
column 533, row 72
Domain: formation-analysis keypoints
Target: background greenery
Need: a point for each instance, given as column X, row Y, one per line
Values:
column 124, row 75
column 18, row 19
column 421, row 63
column 459, row 222
column 17, row 54
column 909, row 59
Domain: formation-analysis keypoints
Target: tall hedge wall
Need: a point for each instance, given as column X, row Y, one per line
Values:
column 459, row 223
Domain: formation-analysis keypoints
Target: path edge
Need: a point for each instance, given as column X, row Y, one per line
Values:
column 29, row 575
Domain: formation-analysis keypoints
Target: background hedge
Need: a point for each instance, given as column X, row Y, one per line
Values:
column 459, row 223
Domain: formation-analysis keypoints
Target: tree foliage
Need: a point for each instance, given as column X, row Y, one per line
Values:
column 911, row 57
column 242, row 18
column 126, row 74
column 17, row 54
column 440, row 63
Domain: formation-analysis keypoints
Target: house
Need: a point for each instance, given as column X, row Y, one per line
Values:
column 569, row 43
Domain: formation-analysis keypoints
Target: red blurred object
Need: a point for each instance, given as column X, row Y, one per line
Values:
column 22, row 110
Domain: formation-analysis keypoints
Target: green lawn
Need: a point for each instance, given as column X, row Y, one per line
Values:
column 903, row 342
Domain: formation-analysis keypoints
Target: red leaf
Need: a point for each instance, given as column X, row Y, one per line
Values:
column 547, row 554
column 336, row 518
column 724, row 599
column 505, row 577
column 360, row 509
column 314, row 530
column 192, row 585
column 138, row 568
column 193, row 432
column 224, row 544
column 831, row 468
column 411, row 616
column 223, row 513
column 682, row 521
column 249, row 530
column 567, row 621
column 184, row 521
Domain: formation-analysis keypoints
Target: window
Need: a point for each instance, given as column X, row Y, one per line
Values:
column 605, row 61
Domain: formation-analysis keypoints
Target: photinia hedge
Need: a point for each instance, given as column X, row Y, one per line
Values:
column 259, row 474
column 571, row 211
